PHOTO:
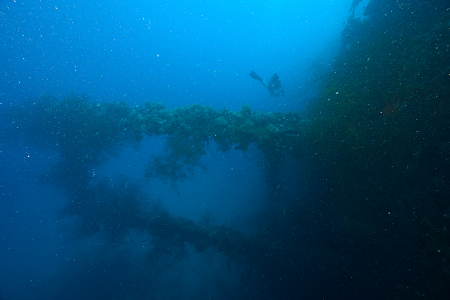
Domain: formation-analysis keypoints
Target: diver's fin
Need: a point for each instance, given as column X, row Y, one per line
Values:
column 255, row 76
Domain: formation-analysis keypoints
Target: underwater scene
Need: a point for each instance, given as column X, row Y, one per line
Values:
column 241, row 149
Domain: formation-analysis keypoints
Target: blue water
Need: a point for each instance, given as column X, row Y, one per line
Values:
column 175, row 52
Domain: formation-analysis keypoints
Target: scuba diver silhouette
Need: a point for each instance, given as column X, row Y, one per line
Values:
column 274, row 85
